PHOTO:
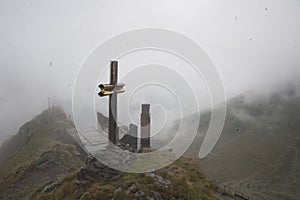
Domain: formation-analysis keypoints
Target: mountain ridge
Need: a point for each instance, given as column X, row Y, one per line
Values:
column 44, row 152
column 47, row 164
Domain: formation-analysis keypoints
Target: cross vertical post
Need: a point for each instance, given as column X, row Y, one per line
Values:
column 111, row 90
column 113, row 133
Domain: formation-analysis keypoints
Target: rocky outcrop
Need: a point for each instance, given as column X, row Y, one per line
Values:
column 94, row 170
column 130, row 140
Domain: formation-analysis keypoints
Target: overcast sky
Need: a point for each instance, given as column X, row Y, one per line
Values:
column 255, row 44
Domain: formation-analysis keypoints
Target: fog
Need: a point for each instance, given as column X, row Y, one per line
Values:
column 254, row 44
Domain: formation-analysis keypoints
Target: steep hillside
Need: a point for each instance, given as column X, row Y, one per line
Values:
column 258, row 152
column 42, row 151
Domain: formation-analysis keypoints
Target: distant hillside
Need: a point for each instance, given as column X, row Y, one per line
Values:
column 40, row 152
column 258, row 152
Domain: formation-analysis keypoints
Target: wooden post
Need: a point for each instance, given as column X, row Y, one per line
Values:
column 111, row 90
column 113, row 133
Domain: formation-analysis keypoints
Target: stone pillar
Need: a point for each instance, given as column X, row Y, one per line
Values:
column 145, row 126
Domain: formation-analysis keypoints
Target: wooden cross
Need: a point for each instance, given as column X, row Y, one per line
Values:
column 111, row 90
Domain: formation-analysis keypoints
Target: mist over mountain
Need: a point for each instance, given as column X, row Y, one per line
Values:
column 258, row 151
column 254, row 44
column 252, row 47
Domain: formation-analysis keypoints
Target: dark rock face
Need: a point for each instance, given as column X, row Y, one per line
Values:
column 46, row 160
column 131, row 138
column 94, row 169
column 129, row 143
column 51, row 187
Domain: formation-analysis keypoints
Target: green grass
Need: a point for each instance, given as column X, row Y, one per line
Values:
column 44, row 135
column 188, row 182
column 40, row 143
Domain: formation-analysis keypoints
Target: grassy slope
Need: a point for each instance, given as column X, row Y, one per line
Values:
column 44, row 137
column 186, row 182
